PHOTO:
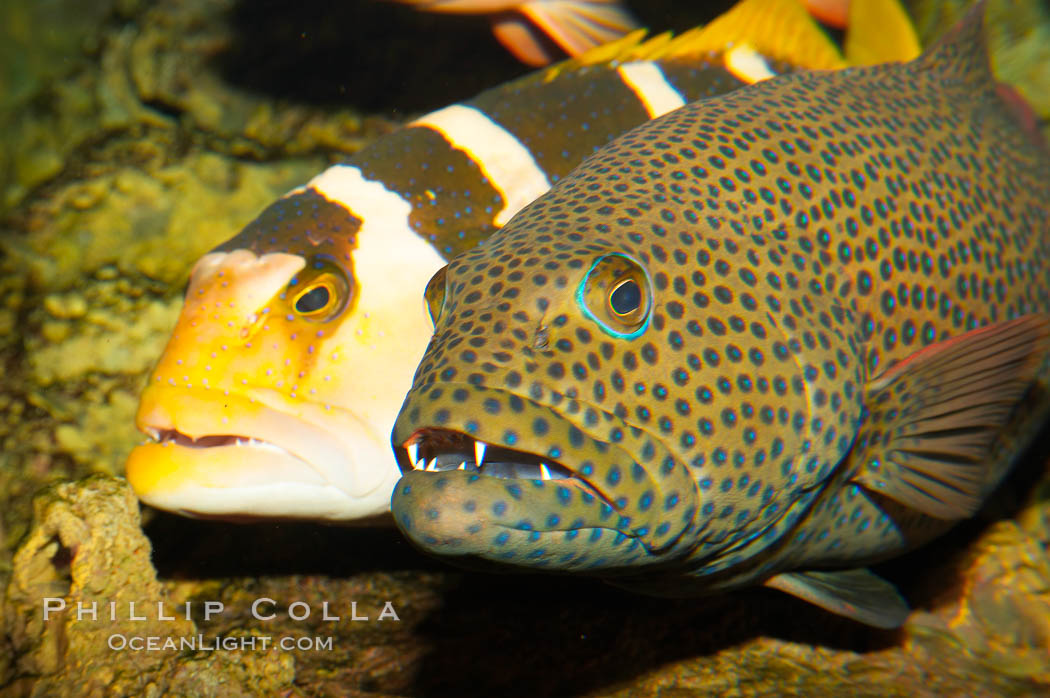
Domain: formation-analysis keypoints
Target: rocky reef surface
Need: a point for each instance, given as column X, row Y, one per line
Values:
column 136, row 136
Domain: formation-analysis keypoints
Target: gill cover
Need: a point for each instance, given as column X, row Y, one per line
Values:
column 434, row 295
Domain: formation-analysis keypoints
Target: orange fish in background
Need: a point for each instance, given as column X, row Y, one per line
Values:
column 526, row 27
column 532, row 29
column 834, row 13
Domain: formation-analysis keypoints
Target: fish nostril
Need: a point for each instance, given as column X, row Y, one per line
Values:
column 542, row 338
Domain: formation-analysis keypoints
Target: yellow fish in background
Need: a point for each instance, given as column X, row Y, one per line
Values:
column 527, row 28
column 278, row 389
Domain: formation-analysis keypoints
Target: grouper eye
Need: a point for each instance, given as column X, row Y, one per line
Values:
column 434, row 295
column 617, row 294
column 320, row 293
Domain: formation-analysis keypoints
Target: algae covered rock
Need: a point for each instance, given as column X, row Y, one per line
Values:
column 83, row 593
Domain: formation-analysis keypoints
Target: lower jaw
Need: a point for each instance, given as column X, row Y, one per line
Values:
column 467, row 518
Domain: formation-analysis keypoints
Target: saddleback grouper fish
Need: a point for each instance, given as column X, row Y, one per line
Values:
column 298, row 338
column 769, row 338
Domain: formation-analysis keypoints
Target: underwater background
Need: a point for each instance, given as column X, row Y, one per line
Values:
column 134, row 137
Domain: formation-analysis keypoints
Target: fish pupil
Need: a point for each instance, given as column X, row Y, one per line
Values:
column 626, row 297
column 313, row 300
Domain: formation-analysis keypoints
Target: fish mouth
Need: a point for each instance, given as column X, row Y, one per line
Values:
column 166, row 437
column 437, row 450
column 267, row 462
column 485, row 506
column 440, row 450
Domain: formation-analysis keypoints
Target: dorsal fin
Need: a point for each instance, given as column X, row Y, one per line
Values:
column 960, row 56
column 959, row 59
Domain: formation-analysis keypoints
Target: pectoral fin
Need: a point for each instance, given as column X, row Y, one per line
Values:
column 935, row 416
column 856, row 594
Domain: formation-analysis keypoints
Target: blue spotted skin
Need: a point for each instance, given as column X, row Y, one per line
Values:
column 800, row 235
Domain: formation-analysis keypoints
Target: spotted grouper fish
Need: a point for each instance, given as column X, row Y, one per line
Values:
column 297, row 341
column 769, row 338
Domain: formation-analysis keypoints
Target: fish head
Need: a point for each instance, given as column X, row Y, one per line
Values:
column 637, row 386
column 277, row 390
column 518, row 381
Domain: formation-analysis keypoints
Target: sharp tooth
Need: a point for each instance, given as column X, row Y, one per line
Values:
column 413, row 452
column 545, row 473
column 462, row 466
column 479, row 452
column 433, row 464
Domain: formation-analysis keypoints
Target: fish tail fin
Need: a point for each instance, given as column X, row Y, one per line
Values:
column 523, row 40
column 776, row 29
column 960, row 57
column 580, row 25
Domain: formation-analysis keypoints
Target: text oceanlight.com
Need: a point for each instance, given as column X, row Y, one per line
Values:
column 198, row 643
